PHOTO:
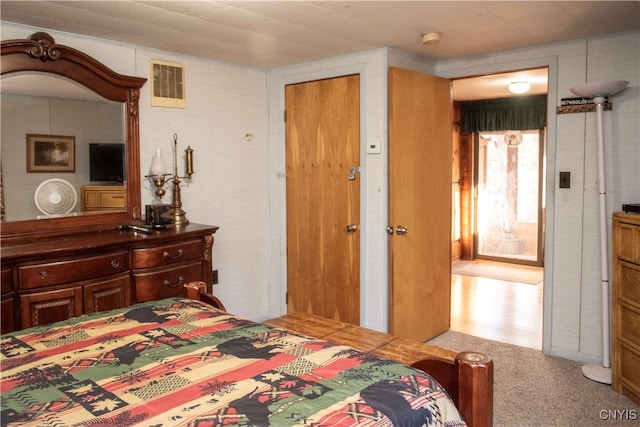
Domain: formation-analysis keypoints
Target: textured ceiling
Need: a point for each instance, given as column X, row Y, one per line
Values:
column 269, row 34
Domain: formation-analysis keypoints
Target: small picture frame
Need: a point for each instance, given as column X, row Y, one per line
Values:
column 167, row 84
column 51, row 153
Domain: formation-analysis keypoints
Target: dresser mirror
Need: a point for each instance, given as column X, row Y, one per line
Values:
column 52, row 91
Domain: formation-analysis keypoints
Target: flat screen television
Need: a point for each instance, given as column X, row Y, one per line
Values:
column 106, row 163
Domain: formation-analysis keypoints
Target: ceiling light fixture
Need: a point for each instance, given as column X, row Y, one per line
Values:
column 431, row 38
column 519, row 87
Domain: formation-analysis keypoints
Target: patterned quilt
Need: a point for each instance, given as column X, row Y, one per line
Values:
column 181, row 362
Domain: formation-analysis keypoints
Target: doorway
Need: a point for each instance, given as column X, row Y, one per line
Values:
column 498, row 219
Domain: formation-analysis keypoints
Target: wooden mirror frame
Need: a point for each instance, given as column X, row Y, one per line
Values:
column 40, row 53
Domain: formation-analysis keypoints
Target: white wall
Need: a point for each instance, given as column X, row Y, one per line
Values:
column 86, row 121
column 224, row 103
column 239, row 185
column 572, row 261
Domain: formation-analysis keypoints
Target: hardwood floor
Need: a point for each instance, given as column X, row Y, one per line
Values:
column 499, row 310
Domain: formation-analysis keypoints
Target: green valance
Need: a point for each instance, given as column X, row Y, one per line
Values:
column 517, row 113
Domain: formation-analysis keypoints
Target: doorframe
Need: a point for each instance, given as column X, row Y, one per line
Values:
column 551, row 62
column 360, row 70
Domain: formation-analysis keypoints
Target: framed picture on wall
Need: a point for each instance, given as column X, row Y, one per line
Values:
column 167, row 84
column 51, row 153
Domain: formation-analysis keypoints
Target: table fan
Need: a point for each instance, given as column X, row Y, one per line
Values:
column 55, row 196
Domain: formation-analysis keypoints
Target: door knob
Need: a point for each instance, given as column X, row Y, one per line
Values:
column 402, row 230
column 353, row 170
column 389, row 230
column 352, row 228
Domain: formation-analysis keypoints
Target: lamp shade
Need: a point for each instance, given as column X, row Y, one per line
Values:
column 591, row 90
column 158, row 166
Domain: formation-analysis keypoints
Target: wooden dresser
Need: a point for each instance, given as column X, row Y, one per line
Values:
column 48, row 280
column 626, row 305
column 102, row 197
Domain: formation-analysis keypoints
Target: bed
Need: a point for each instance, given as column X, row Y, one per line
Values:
column 180, row 361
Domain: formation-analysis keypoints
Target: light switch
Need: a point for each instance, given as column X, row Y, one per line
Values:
column 565, row 179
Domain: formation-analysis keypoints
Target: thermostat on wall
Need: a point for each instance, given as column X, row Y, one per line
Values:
column 374, row 147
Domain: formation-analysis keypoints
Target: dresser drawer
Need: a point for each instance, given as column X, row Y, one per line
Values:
column 628, row 242
column 60, row 272
column 111, row 200
column 164, row 255
column 629, row 326
column 99, row 197
column 629, row 362
column 628, row 283
column 166, row 282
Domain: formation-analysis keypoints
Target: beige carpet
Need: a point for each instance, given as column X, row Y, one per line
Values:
column 499, row 271
column 533, row 389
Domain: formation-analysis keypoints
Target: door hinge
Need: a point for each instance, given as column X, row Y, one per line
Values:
column 284, row 114
column 286, row 298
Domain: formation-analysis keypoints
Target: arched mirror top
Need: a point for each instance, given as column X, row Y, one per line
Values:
column 40, row 54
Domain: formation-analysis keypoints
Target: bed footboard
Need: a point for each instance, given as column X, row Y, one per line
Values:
column 469, row 381
column 196, row 290
column 467, row 376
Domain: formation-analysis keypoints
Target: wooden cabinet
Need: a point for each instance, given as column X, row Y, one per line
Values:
column 626, row 305
column 7, row 312
column 107, row 294
column 53, row 279
column 161, row 272
column 48, row 306
column 56, row 289
column 102, row 197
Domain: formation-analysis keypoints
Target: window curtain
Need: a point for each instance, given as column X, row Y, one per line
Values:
column 517, row 113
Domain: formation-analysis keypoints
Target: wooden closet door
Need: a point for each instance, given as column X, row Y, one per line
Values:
column 323, row 204
column 420, row 133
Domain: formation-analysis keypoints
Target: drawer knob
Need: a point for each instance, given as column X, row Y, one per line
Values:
column 174, row 285
column 176, row 256
column 115, row 263
column 43, row 275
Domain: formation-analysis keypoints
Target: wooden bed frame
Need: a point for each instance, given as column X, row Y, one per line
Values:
column 467, row 376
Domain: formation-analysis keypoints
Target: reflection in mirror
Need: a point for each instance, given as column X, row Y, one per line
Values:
column 35, row 103
column 40, row 54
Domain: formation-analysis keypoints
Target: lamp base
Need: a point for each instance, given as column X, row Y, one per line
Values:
column 179, row 217
column 597, row 373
